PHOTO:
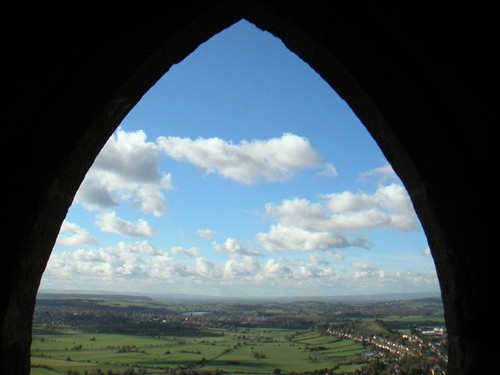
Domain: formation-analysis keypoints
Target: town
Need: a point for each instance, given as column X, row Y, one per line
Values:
column 404, row 348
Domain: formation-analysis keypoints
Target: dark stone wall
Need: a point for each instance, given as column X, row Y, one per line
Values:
column 422, row 77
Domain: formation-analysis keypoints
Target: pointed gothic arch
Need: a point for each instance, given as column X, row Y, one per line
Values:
column 422, row 80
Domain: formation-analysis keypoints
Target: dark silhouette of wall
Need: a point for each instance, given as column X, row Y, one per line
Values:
column 422, row 77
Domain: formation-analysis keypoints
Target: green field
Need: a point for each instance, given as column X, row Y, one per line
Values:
column 241, row 351
column 89, row 335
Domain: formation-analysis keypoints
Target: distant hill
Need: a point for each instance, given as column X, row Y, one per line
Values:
column 386, row 297
column 347, row 298
column 94, row 296
column 366, row 328
column 151, row 297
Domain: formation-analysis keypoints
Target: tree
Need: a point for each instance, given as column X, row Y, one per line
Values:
column 258, row 355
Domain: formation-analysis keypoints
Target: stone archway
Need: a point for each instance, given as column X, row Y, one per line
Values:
column 422, row 80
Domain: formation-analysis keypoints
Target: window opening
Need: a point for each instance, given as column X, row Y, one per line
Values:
column 240, row 176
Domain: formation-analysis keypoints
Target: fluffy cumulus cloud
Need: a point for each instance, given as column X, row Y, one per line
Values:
column 72, row 234
column 365, row 270
column 274, row 269
column 239, row 266
column 371, row 277
column 248, row 162
column 233, row 247
column 111, row 263
column 132, row 266
column 302, row 225
column 126, row 170
column 390, row 206
column 282, row 237
column 190, row 252
column 111, row 223
column 206, row 268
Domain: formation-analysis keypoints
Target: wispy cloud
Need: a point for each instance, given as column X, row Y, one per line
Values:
column 328, row 170
column 206, row 233
column 382, row 174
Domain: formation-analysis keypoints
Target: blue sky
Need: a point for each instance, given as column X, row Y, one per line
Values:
column 241, row 173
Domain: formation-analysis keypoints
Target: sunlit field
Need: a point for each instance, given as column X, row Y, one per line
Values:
column 245, row 351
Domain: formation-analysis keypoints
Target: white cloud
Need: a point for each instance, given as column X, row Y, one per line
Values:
column 142, row 247
column 341, row 212
column 165, row 267
column 274, row 269
column 206, row 233
column 241, row 265
column 190, row 252
column 126, row 169
column 133, row 266
column 390, row 206
column 298, row 212
column 382, row 174
column 318, row 259
column 234, row 247
column 384, row 281
column 109, row 263
column 109, row 222
column 71, row 234
column 206, row 268
column 303, row 225
column 328, row 170
column 94, row 194
column 275, row 159
column 361, row 266
column 281, row 237
column 349, row 202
